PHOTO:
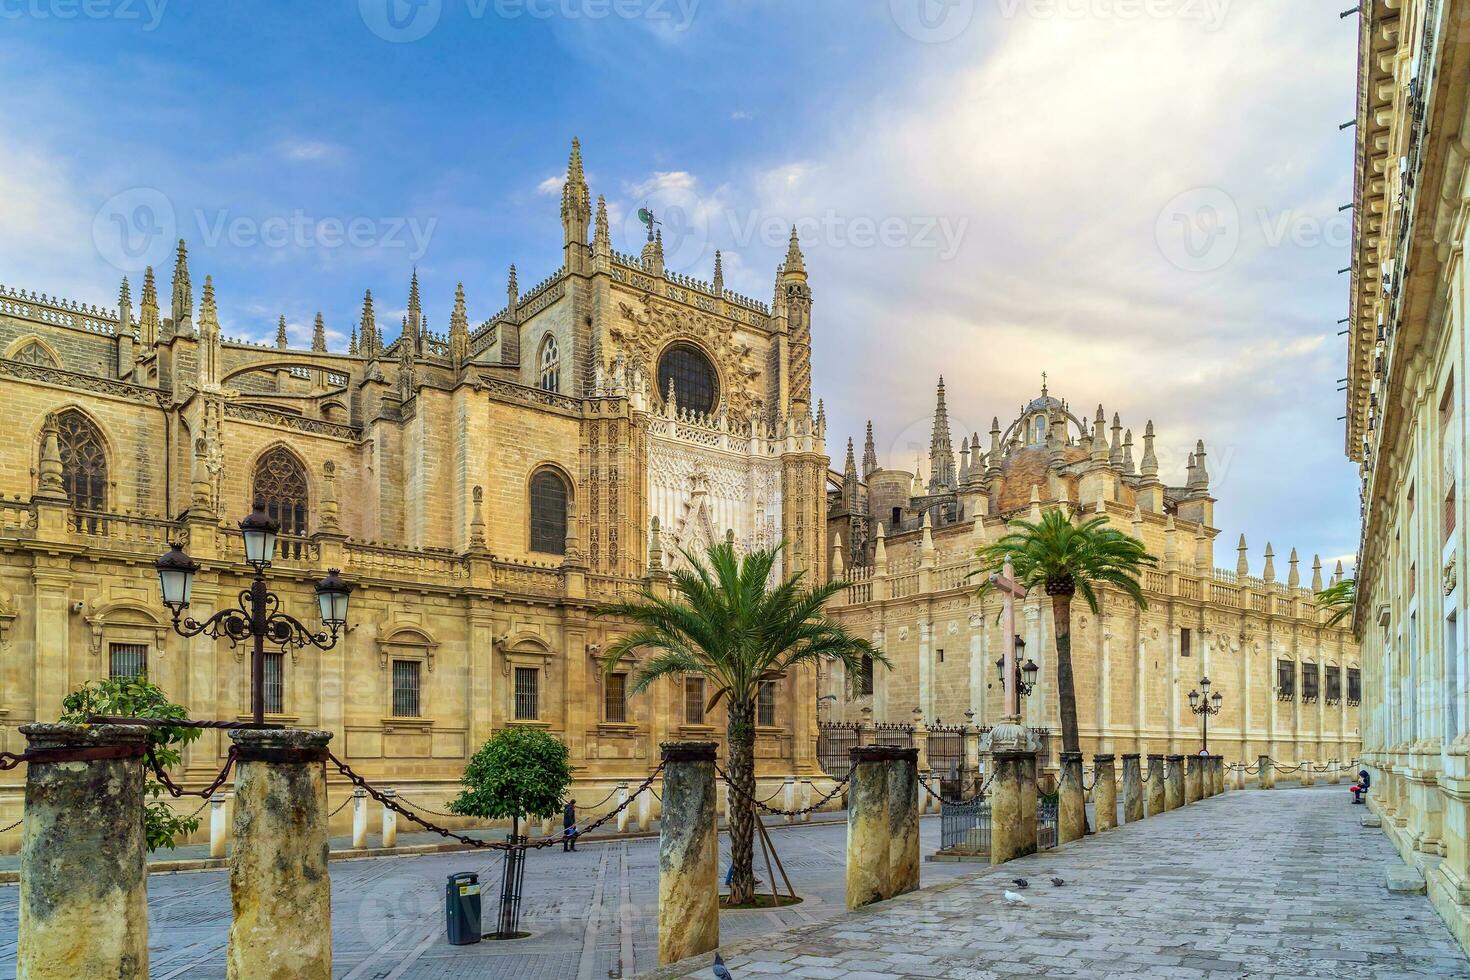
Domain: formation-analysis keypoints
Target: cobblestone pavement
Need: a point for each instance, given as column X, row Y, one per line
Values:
column 1280, row 883
column 593, row 914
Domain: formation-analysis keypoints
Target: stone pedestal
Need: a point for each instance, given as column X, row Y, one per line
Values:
column 1133, row 808
column 622, row 800
column 1334, row 772
column 1012, row 806
column 1238, row 777
column 218, row 829
column 867, row 825
column 1219, row 770
column 1157, row 785
column 688, row 854
column 1266, row 776
column 359, row 817
column 83, row 884
column 1193, row 783
column 1308, row 775
column 1104, row 792
column 279, row 886
column 903, row 823
column 1071, row 807
column 645, row 809
column 1174, row 784
column 390, row 821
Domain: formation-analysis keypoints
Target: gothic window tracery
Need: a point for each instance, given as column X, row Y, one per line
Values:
column 83, row 461
column 696, row 387
column 280, row 484
column 548, row 513
column 550, row 363
column 35, row 353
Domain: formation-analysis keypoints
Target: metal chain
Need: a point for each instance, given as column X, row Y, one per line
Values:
column 198, row 810
column 6, row 830
column 176, row 791
column 778, row 812
column 779, row 790
column 341, row 806
column 979, row 794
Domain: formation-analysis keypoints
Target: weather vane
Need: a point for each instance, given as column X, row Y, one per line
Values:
column 646, row 216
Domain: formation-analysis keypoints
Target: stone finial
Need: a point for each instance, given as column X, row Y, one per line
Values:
column 795, row 264
column 1149, row 467
column 459, row 329
column 1115, row 448
column 1127, row 462
column 1337, row 572
column 512, row 292
column 477, row 518
column 149, row 326
column 50, row 485
column 124, row 309
column 837, row 566
column 1316, row 573
column 880, row 550
column 870, row 453
column 183, row 298
column 1099, row 446
column 601, row 238
column 1034, row 516
column 1269, row 572
column 330, row 510
column 926, row 538
column 281, row 340
column 941, row 446
column 718, row 284
column 413, row 322
column 352, row 341
column 655, row 546
column 964, row 473
column 1242, row 560
column 1189, row 480
column 372, row 342
column 319, row 333
column 1293, row 575
column 1201, row 475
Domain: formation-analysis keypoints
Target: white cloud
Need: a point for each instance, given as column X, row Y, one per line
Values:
column 307, row 150
column 551, row 185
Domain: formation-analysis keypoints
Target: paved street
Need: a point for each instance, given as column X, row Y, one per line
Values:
column 593, row 914
column 1282, row 883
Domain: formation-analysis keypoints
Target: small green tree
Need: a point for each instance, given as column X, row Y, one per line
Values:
column 517, row 771
column 135, row 697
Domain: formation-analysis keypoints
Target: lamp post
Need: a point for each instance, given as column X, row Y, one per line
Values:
column 1205, row 704
column 258, row 617
column 1024, row 676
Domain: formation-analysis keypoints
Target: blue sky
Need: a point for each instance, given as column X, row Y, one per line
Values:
column 1137, row 196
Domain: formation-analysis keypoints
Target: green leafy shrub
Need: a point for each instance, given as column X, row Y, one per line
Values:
column 517, row 771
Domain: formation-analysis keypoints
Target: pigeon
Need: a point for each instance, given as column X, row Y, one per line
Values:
column 1020, row 882
column 1015, row 898
column 721, row 973
column 1057, row 882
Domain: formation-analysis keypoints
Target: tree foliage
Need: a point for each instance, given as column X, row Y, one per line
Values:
column 135, row 697
column 1339, row 600
column 519, row 770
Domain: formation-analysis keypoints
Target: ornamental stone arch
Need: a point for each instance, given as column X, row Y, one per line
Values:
column 124, row 620
column 86, row 451
column 285, row 489
column 33, row 349
column 406, row 640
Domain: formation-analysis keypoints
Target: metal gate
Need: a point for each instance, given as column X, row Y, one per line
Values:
column 964, row 828
column 947, row 759
column 834, row 739
column 1046, row 821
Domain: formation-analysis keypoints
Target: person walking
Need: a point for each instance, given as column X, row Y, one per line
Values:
column 569, row 826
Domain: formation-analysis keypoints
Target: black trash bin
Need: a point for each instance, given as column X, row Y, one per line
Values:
column 462, row 908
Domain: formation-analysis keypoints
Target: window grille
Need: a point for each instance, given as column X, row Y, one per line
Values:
column 127, row 660
column 406, row 688
column 1355, row 686
column 765, row 704
column 1334, row 684
column 615, row 698
column 528, row 694
column 865, row 676
column 548, row 513
column 694, row 700
column 1309, row 683
column 1286, row 680
column 275, row 683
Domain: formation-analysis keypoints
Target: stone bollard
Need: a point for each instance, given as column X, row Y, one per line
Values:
column 645, row 809
column 279, row 884
column 622, row 817
column 83, row 883
column 878, row 815
column 1239, row 776
column 359, row 817
column 1219, row 774
column 1174, row 785
column 390, row 820
column 903, row 823
column 1104, row 792
column 688, row 854
column 1193, row 784
column 788, row 797
column 1132, row 789
column 1071, row 808
column 1266, row 777
column 1308, row 776
column 806, row 800
column 218, row 829
column 1158, row 782
column 1334, row 772
column 1012, row 806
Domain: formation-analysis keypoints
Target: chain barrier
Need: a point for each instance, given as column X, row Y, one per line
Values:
column 176, row 791
column 779, row 790
column 604, row 799
column 198, row 810
column 6, row 830
column 341, row 806
column 979, row 793
column 774, row 811
column 391, row 803
column 1087, row 787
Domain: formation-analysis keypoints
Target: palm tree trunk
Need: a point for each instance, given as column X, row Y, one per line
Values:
column 741, row 737
column 1061, row 611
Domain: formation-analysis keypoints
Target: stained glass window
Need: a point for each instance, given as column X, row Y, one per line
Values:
column 696, row 387
column 83, row 461
column 548, row 513
column 550, row 364
column 280, row 484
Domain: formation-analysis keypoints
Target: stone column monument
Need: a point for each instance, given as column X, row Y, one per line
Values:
column 1174, row 785
column 688, row 854
column 1071, row 807
column 1157, row 785
column 1133, row 810
column 1105, row 792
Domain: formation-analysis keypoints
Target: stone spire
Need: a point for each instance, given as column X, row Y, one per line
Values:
column 209, row 338
column 1201, row 475
column 281, row 340
column 149, row 327
column 719, row 279
column 601, row 238
column 1337, row 572
column 1149, row 467
column 918, row 486
column 1316, row 573
column 870, row 453
column 964, row 474
column 941, row 448
column 1269, row 572
column 1115, row 450
column 125, row 309
column 183, row 301
column 319, row 333
column 1099, row 437
column 1242, row 560
column 795, row 264
column 413, row 324
column 1189, row 481
column 459, row 329
column 576, row 210
column 352, row 341
column 407, row 365
column 1293, row 575
column 992, row 462
column 850, row 481
column 372, row 343
column 512, row 293
column 880, row 550
column 1127, row 464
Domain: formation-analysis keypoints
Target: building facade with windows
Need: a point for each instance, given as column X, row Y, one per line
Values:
column 483, row 488
column 1289, row 682
column 1406, row 428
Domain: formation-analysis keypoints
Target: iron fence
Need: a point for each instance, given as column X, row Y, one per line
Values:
column 895, row 734
column 965, row 826
column 1046, row 822
column 834, row 739
column 947, row 760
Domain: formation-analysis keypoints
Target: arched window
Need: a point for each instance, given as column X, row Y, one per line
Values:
column 696, row 386
column 280, row 484
column 35, row 353
column 550, row 363
column 83, row 461
column 548, row 513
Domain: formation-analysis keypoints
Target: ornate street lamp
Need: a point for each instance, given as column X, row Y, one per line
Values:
column 1205, row 705
column 258, row 616
column 1025, row 675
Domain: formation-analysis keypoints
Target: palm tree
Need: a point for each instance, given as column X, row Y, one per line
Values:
column 1064, row 559
column 724, row 620
column 1338, row 599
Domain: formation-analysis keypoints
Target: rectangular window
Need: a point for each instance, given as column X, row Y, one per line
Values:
column 275, row 683
column 865, row 676
column 1309, row 683
column 406, row 688
column 1285, row 680
column 765, row 704
column 1184, row 642
column 615, row 698
column 128, row 660
column 694, row 700
column 1334, row 684
column 1355, row 685
column 528, row 694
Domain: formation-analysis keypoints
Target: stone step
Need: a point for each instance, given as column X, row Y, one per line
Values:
column 1403, row 880
column 1371, row 820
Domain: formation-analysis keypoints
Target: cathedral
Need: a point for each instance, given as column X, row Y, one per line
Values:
column 482, row 488
column 1290, row 684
